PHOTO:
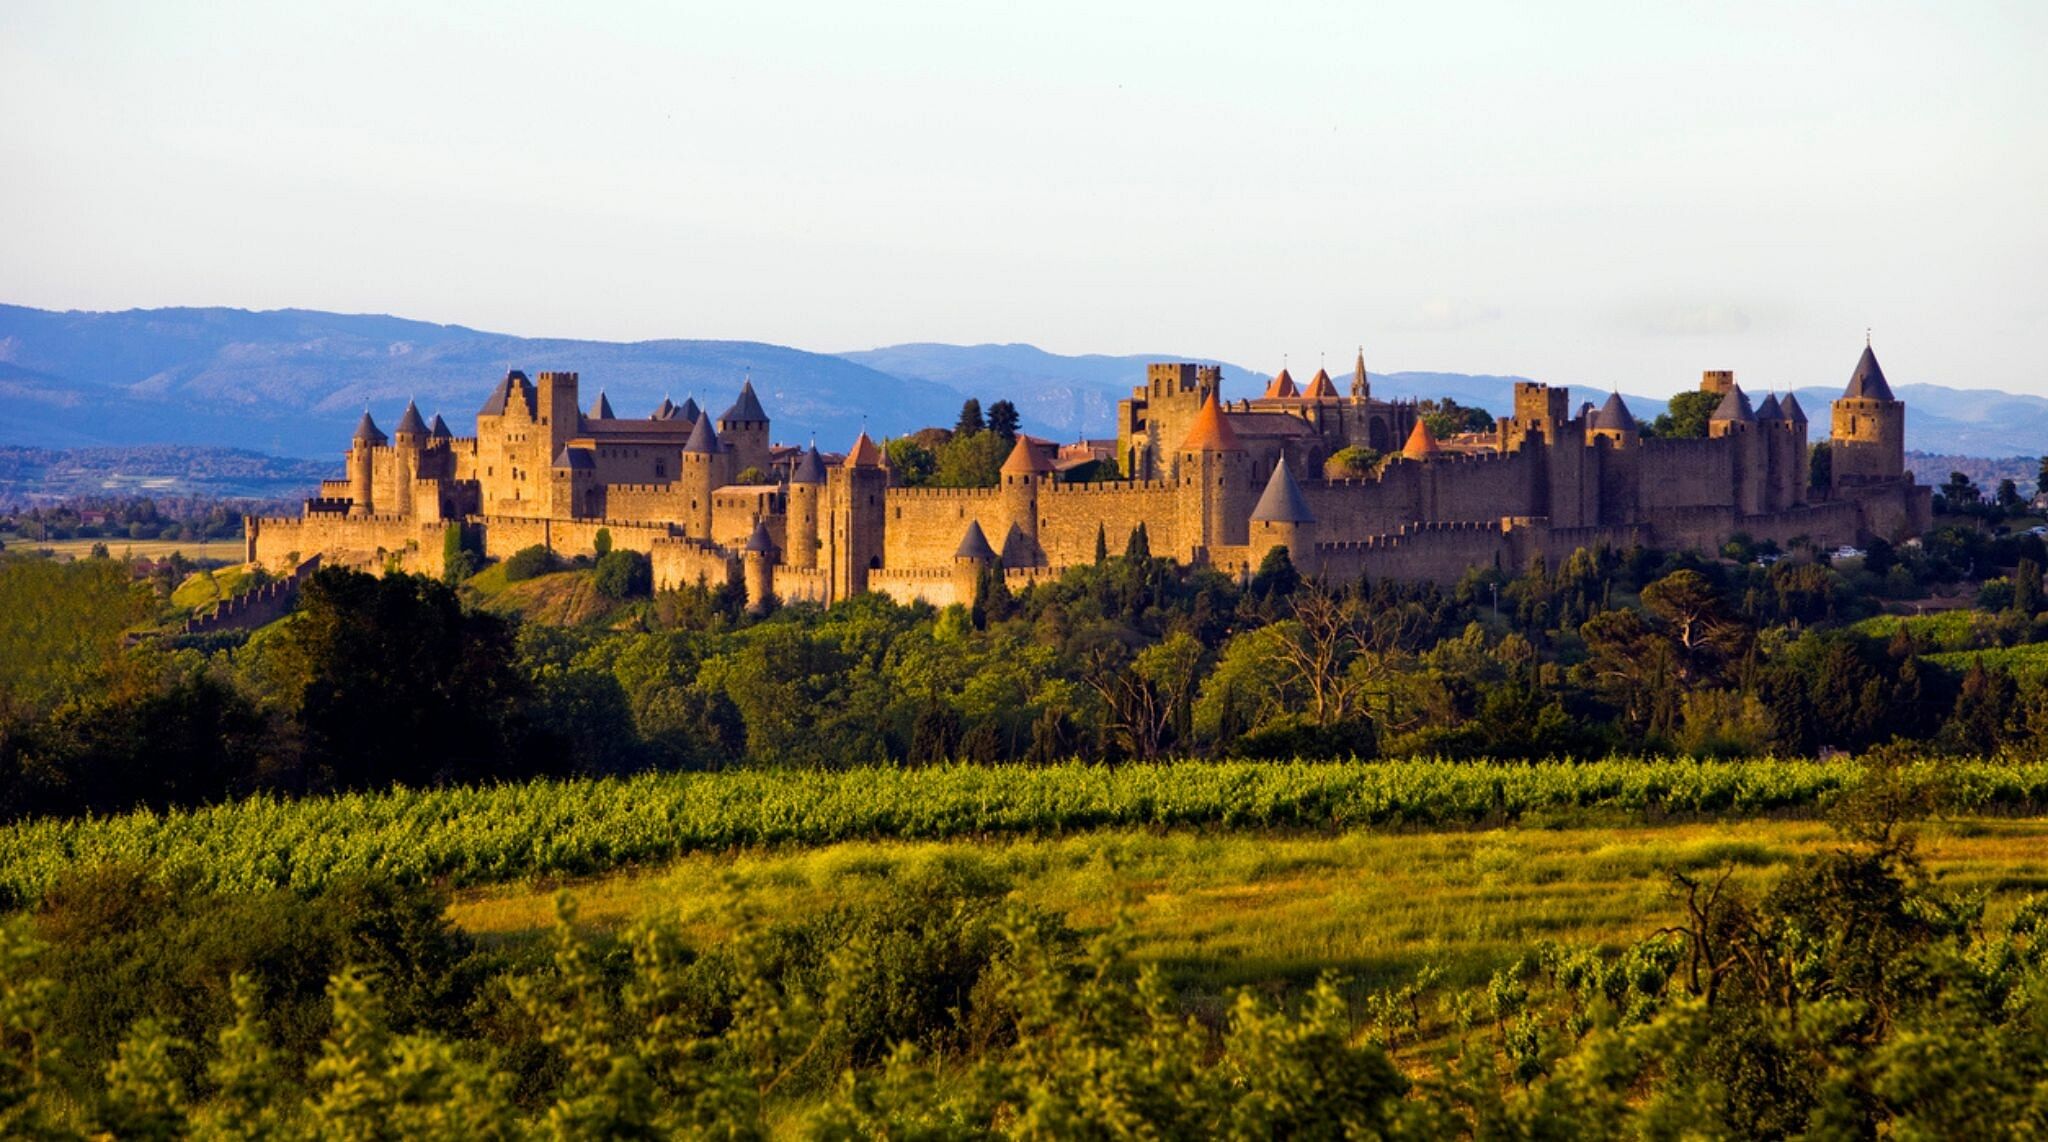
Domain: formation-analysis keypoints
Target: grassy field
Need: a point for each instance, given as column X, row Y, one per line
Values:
column 222, row 550
column 1219, row 911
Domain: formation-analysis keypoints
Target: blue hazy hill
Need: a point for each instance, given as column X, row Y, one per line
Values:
column 292, row 382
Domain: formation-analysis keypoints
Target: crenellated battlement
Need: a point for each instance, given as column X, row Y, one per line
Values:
column 944, row 493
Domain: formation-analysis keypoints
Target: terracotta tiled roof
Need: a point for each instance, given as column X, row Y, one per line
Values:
column 1421, row 442
column 863, row 454
column 1211, row 431
column 1026, row 460
column 1319, row 387
column 1282, row 386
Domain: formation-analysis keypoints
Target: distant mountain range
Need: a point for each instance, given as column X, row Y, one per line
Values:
column 292, row 382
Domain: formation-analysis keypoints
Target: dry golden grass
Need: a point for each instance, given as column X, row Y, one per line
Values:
column 226, row 550
column 1225, row 910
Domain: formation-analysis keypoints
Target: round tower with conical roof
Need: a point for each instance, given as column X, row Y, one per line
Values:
column 1282, row 518
column 1023, row 473
column 362, row 466
column 1213, row 493
column 1867, row 444
column 855, row 492
column 703, row 466
column 408, row 440
column 757, row 565
column 806, row 485
column 972, row 561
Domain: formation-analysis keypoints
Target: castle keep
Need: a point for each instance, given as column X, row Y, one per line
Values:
column 1214, row 481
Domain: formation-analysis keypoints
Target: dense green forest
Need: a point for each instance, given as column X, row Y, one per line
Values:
column 398, row 679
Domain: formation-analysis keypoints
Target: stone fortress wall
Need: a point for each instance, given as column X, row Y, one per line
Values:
column 1211, row 480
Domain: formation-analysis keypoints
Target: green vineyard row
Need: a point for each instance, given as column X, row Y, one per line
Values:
column 486, row 834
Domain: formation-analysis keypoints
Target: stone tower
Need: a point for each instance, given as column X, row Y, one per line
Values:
column 703, row 465
column 758, row 567
column 409, row 440
column 1282, row 518
column 1212, row 486
column 1361, row 384
column 572, row 484
column 362, row 466
column 557, row 408
column 971, row 560
column 744, row 428
column 1614, row 423
column 806, row 485
column 1734, row 418
column 1023, row 474
column 859, row 516
column 1868, row 441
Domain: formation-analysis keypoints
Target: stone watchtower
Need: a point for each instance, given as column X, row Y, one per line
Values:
column 971, row 560
column 1024, row 473
column 1735, row 420
column 744, row 427
column 1868, row 441
column 806, row 485
column 362, row 466
column 1282, row 518
column 856, row 491
column 409, row 440
column 757, row 564
column 1213, row 486
column 703, row 471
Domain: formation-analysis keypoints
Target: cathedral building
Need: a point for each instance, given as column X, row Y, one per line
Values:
column 1213, row 480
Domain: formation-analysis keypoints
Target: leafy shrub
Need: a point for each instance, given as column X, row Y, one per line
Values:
column 528, row 562
column 623, row 575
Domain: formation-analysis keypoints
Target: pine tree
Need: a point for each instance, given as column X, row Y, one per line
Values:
column 246, row 1074
column 1003, row 420
column 145, row 1095
column 1139, row 550
column 352, row 1103
column 970, row 423
column 1101, row 545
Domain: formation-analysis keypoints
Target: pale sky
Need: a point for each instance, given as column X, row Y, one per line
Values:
column 1598, row 195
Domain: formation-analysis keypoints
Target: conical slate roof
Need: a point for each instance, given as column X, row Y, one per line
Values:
column 1615, row 414
column 761, row 543
column 409, row 422
column 1024, row 460
column 502, row 394
column 1211, row 431
column 702, row 439
column 1421, row 442
column 439, row 429
column 574, row 459
column 1282, row 386
column 1734, row 406
column 746, row 408
column 1789, row 407
column 1361, row 383
column 1868, row 382
column 367, row 431
column 1770, row 411
column 1282, row 501
column 602, row 410
column 1320, row 387
column 810, row 468
column 689, row 409
column 974, row 544
column 863, row 454
column 666, row 410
